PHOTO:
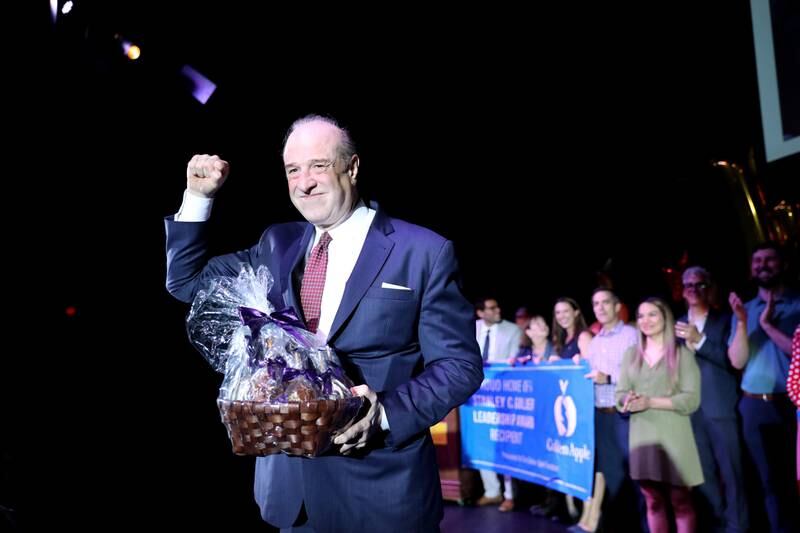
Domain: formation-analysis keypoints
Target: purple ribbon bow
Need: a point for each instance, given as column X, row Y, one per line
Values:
column 286, row 319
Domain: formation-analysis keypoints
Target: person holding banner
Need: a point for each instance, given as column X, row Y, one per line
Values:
column 604, row 355
column 499, row 340
column 660, row 385
column 540, row 349
column 571, row 335
column 543, row 351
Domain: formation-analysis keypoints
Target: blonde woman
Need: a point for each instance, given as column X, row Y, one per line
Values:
column 660, row 385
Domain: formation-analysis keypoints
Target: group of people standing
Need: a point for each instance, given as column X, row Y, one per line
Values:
column 675, row 400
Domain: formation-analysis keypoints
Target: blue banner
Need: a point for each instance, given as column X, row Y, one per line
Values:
column 533, row 422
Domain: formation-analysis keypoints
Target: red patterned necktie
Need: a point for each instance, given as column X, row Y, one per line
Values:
column 314, row 282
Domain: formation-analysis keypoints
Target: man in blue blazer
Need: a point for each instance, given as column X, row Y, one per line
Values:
column 715, row 423
column 392, row 309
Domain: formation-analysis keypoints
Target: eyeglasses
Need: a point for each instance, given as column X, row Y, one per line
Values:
column 696, row 286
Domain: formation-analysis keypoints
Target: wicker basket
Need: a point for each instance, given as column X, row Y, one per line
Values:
column 295, row 428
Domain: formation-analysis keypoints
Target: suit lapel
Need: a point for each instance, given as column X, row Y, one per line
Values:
column 715, row 322
column 292, row 260
column 370, row 261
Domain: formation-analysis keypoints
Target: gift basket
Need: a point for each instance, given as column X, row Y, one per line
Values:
column 283, row 390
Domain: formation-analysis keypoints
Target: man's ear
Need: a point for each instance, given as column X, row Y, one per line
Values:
column 352, row 168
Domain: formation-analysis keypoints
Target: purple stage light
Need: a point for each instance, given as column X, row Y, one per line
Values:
column 202, row 87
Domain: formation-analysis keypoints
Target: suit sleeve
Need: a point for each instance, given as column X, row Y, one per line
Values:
column 687, row 398
column 188, row 263
column 453, row 366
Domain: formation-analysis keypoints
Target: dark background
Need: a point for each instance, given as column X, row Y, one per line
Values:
column 544, row 145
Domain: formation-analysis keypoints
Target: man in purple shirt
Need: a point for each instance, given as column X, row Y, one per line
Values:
column 611, row 428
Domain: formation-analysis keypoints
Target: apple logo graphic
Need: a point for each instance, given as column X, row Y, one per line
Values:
column 566, row 414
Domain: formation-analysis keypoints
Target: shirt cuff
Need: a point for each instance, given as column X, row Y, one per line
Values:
column 701, row 343
column 194, row 208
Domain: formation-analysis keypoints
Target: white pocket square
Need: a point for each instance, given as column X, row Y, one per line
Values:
column 385, row 285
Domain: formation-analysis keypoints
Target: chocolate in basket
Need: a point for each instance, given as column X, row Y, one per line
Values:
column 283, row 391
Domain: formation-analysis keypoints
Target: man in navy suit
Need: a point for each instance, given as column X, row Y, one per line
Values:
column 392, row 309
column 715, row 423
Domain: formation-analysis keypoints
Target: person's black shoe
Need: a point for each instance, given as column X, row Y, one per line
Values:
column 545, row 510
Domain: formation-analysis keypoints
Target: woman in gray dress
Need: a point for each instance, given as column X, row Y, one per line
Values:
column 660, row 385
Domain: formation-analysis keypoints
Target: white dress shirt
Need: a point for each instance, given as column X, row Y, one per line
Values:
column 194, row 208
column 347, row 240
column 700, row 323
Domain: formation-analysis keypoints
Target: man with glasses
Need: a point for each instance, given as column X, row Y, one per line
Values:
column 715, row 424
column 499, row 340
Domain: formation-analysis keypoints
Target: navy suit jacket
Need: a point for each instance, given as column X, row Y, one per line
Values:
column 415, row 348
column 720, row 390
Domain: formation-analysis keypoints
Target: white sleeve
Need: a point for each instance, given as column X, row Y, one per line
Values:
column 701, row 343
column 194, row 208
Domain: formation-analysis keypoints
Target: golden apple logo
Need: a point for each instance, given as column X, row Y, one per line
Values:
column 566, row 414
